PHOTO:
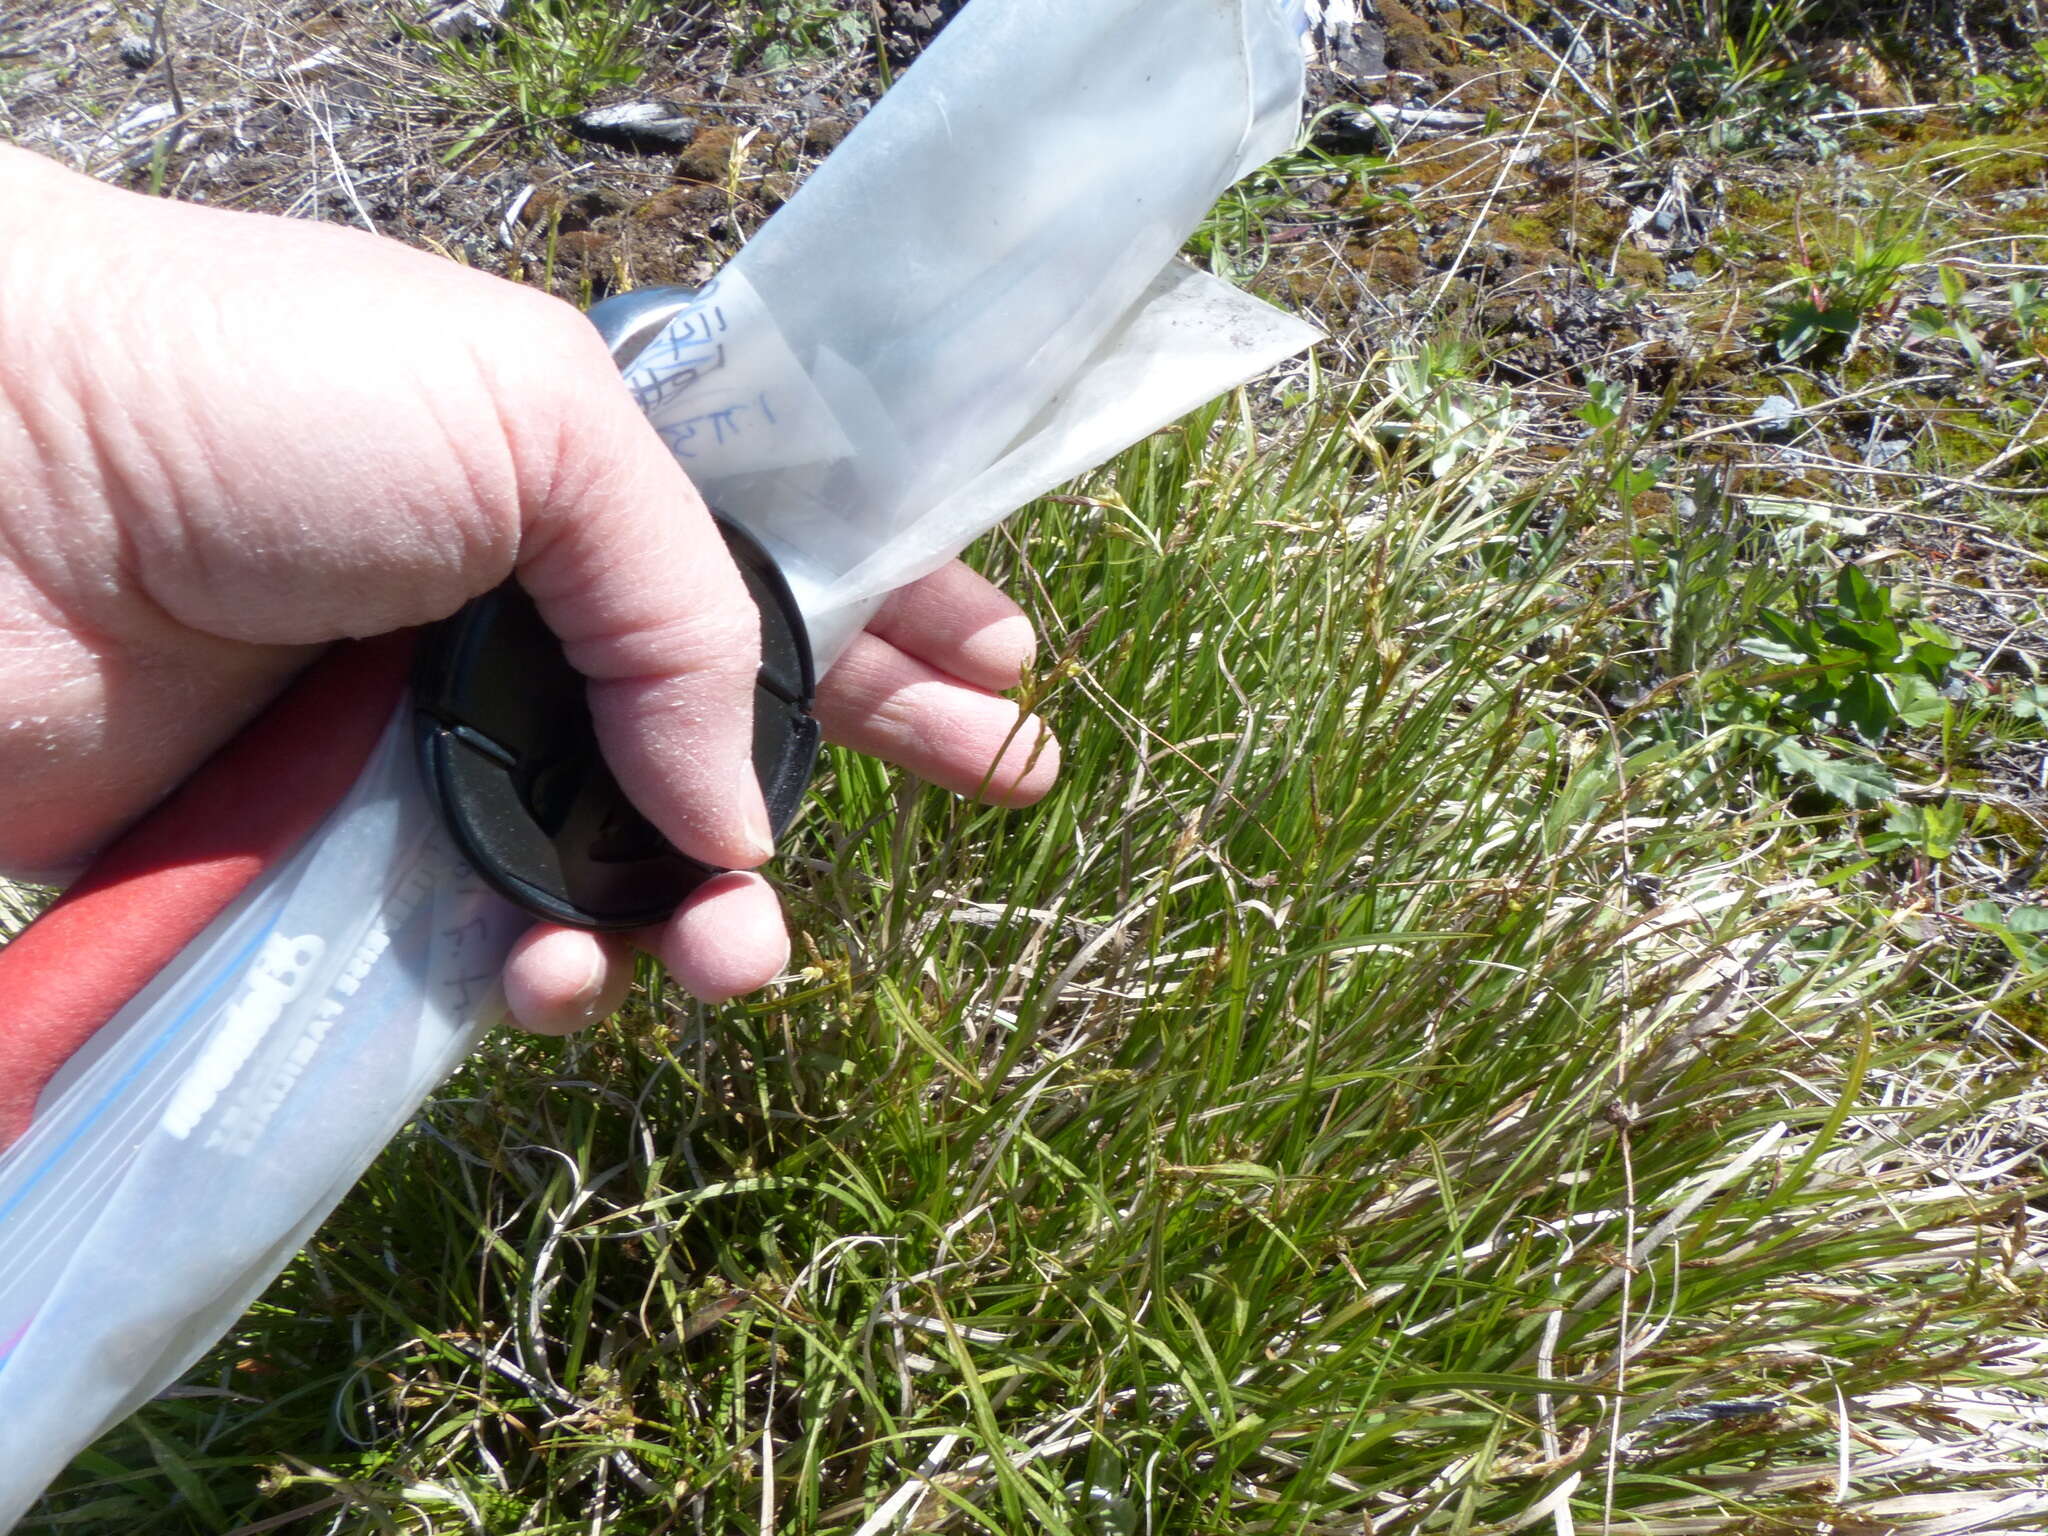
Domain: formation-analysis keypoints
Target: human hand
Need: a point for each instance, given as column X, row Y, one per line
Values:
column 227, row 440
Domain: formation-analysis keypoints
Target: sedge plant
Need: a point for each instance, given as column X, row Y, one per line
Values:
column 1372, row 1092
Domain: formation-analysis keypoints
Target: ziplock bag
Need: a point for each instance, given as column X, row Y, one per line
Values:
column 972, row 301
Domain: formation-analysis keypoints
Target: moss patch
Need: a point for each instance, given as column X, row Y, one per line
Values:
column 1974, row 165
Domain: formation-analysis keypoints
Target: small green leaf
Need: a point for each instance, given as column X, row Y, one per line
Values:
column 1792, row 641
column 1806, row 328
column 1915, row 700
column 1631, row 482
column 1864, row 646
column 2031, row 702
column 1943, row 828
column 1799, row 330
column 1604, row 403
column 1774, row 650
column 1860, row 598
column 1865, row 707
column 1851, row 782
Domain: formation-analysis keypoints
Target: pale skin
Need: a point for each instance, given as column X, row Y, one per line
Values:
column 227, row 441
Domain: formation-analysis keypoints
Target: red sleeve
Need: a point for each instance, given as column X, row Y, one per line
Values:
column 157, row 887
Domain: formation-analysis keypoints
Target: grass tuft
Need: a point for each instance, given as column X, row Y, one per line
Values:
column 1375, row 1087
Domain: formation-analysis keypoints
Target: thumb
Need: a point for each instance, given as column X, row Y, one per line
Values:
column 626, row 566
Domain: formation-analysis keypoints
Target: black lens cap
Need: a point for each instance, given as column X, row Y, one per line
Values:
column 510, row 756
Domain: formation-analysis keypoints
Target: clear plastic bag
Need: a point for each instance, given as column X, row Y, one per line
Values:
column 976, row 298
column 179, row 1160
column 973, row 301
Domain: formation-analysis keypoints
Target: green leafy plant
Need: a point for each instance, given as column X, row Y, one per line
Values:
column 1617, row 471
column 2022, row 930
column 2029, row 300
column 2014, row 92
column 1846, row 676
column 545, row 61
column 1933, row 831
column 1462, row 426
column 1605, row 402
column 1859, row 664
column 2030, row 702
column 1753, row 90
column 1824, row 317
column 1715, row 569
column 1951, row 320
column 1237, row 238
column 1763, row 108
column 776, row 34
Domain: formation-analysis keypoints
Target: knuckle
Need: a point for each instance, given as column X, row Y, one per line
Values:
column 716, row 644
column 724, row 639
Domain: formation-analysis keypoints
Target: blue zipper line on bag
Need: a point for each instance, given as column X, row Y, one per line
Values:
column 236, row 968
column 233, row 971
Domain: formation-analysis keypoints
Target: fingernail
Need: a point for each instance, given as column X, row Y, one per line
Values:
column 756, row 830
column 1011, row 645
column 586, row 1006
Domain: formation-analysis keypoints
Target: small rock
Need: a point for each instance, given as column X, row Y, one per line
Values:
column 466, row 21
column 1385, row 122
column 314, row 63
column 1349, row 42
column 1775, row 413
column 1685, row 280
column 638, row 127
column 1886, row 452
column 1571, row 47
column 908, row 25
column 136, row 51
column 143, row 118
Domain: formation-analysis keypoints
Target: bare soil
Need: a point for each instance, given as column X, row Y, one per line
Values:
column 1580, row 195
